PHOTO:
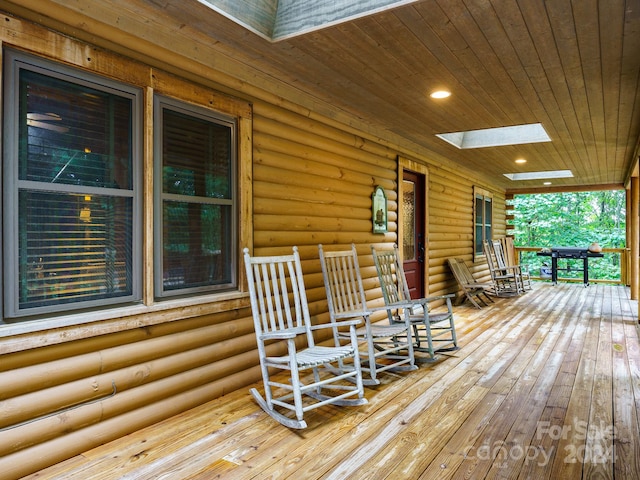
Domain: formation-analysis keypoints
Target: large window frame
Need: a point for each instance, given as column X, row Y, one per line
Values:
column 15, row 187
column 482, row 220
column 221, row 264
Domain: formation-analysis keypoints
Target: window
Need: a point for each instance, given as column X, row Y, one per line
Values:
column 71, row 195
column 196, row 218
column 483, row 217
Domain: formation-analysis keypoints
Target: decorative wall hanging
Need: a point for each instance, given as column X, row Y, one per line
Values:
column 379, row 210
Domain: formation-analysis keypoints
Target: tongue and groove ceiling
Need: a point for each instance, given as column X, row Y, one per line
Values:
column 571, row 66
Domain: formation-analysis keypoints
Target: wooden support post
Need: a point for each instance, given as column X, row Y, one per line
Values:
column 625, row 257
column 635, row 237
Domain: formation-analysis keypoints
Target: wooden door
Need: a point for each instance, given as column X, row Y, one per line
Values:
column 413, row 231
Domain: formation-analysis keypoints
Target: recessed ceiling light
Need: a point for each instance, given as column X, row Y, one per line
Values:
column 440, row 94
column 547, row 183
column 539, row 175
column 521, row 160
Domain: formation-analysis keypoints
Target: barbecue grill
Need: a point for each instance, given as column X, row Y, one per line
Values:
column 570, row 252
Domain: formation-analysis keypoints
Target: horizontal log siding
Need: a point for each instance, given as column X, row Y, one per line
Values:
column 312, row 183
column 450, row 198
column 179, row 364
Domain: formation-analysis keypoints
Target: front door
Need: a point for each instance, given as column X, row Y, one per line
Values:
column 413, row 231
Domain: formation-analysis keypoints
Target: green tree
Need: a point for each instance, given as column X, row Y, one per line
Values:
column 573, row 219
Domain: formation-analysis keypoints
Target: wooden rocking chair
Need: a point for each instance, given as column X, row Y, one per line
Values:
column 388, row 347
column 506, row 256
column 429, row 329
column 280, row 313
column 506, row 280
column 471, row 289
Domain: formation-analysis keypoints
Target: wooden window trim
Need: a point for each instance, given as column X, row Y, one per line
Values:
column 80, row 273
column 63, row 328
column 485, row 195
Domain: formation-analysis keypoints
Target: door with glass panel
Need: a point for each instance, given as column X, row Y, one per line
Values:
column 413, row 231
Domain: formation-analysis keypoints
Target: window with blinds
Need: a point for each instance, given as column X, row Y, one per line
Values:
column 196, row 218
column 72, row 207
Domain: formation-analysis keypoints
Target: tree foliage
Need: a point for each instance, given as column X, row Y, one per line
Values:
column 574, row 219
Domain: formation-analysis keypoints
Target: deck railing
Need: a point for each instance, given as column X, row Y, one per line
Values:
column 616, row 266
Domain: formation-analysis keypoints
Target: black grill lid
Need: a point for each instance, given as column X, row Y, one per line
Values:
column 569, row 252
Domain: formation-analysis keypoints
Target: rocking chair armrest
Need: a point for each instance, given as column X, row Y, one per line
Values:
column 284, row 334
column 513, row 268
column 414, row 302
column 424, row 301
column 392, row 306
column 477, row 285
column 346, row 323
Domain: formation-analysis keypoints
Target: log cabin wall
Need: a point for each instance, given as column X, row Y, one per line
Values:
column 65, row 389
column 451, row 227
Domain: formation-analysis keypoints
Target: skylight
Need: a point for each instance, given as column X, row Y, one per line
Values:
column 496, row 137
column 279, row 19
column 539, row 175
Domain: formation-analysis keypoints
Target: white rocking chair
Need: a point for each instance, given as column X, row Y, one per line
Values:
column 432, row 332
column 388, row 347
column 282, row 324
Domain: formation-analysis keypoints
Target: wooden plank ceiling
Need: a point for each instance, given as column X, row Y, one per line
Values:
column 573, row 66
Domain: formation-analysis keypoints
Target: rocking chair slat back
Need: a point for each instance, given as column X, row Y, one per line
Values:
column 279, row 295
column 346, row 291
column 394, row 288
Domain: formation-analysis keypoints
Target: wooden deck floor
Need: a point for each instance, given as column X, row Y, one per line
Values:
column 546, row 385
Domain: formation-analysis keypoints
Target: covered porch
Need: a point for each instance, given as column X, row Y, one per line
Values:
column 545, row 385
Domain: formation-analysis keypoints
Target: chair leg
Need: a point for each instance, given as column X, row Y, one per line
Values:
column 373, row 380
column 295, row 380
column 432, row 353
column 418, row 342
column 277, row 416
column 453, row 332
column 472, row 300
column 267, row 387
column 412, row 363
column 488, row 297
